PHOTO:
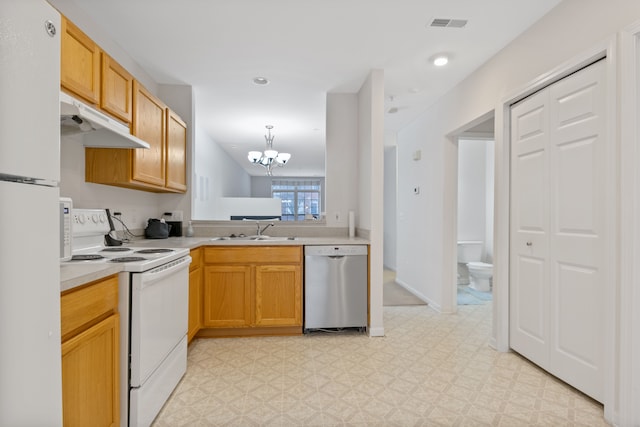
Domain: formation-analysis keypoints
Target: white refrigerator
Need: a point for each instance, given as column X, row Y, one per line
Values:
column 30, row 365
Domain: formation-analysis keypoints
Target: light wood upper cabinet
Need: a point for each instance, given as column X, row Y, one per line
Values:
column 161, row 168
column 90, row 354
column 94, row 77
column 80, row 63
column 176, row 152
column 116, row 94
column 149, row 124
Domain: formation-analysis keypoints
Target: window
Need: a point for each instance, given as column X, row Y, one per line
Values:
column 299, row 198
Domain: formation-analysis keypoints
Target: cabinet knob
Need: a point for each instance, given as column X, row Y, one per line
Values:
column 529, row 244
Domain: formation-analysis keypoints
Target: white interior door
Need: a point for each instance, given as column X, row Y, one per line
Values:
column 529, row 228
column 577, row 148
column 557, row 224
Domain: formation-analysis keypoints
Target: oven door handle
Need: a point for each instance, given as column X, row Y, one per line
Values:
column 154, row 275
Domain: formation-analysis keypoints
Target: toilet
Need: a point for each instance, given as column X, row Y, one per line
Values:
column 480, row 276
column 471, row 271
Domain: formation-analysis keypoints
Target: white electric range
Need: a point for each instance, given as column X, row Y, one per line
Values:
column 153, row 304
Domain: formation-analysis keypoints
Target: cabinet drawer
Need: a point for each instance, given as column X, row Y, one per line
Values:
column 88, row 305
column 253, row 254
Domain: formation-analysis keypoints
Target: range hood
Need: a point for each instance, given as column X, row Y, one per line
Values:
column 98, row 129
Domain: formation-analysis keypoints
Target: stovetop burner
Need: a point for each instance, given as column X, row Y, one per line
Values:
column 116, row 249
column 128, row 259
column 87, row 257
column 154, row 251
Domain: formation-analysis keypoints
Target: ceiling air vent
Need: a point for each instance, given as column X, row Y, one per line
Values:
column 448, row 23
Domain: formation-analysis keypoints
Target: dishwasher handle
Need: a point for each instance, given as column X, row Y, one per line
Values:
column 336, row 256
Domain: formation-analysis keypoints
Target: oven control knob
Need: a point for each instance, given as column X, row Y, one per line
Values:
column 103, row 218
column 94, row 218
column 81, row 219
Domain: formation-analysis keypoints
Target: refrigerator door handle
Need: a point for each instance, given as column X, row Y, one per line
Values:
column 27, row 180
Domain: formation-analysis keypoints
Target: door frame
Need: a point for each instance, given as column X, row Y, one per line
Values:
column 450, row 219
column 629, row 317
column 606, row 50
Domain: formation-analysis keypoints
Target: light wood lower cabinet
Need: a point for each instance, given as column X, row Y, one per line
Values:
column 252, row 290
column 90, row 354
column 195, row 293
column 278, row 294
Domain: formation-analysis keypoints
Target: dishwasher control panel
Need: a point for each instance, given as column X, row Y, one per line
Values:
column 335, row 250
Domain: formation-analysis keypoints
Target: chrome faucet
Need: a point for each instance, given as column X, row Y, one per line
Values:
column 260, row 231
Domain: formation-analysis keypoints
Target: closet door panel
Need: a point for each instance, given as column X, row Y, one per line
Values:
column 577, row 159
column 576, row 302
column 529, row 229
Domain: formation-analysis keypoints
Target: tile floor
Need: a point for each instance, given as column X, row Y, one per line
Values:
column 429, row 370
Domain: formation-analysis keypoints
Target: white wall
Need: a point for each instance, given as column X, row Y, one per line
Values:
column 136, row 206
column 215, row 175
column 420, row 262
column 342, row 158
column 475, row 193
column 472, row 190
column 369, row 216
column 261, row 185
column 390, row 207
column 489, row 194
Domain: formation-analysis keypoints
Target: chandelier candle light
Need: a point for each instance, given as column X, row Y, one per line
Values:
column 269, row 157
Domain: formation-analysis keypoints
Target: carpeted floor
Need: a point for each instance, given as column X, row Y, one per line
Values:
column 394, row 294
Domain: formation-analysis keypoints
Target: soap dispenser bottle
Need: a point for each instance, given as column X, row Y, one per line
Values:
column 190, row 230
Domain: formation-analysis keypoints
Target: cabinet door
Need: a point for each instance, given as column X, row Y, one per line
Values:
column 195, row 302
column 116, row 89
column 227, row 296
column 176, row 152
column 278, row 295
column 90, row 376
column 79, row 63
column 148, row 125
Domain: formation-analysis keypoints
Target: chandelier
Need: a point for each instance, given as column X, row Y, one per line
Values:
column 270, row 157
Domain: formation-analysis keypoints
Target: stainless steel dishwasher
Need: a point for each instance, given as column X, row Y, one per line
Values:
column 335, row 287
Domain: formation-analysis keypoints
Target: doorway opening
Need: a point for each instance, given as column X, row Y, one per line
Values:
column 473, row 258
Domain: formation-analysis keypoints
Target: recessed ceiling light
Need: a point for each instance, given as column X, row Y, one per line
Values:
column 260, row 81
column 440, row 60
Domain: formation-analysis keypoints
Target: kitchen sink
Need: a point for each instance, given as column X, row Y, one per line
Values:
column 271, row 238
column 258, row 238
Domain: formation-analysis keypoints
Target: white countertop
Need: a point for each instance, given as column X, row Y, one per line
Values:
column 77, row 274
column 195, row 242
